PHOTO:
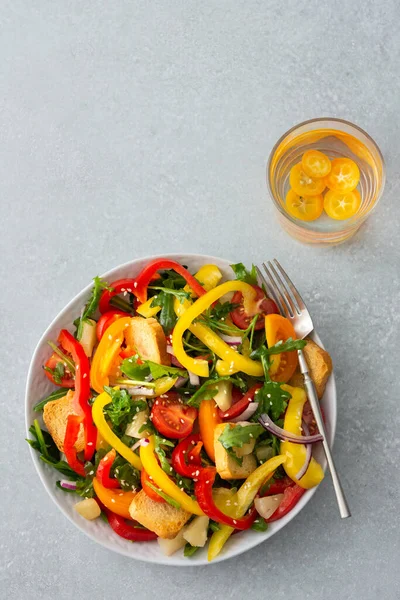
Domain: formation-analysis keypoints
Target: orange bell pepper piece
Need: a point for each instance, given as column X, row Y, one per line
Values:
column 208, row 420
column 117, row 501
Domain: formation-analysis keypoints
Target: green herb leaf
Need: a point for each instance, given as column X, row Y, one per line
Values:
column 190, row 550
column 127, row 475
column 288, row 346
column 98, row 286
column 214, row 526
column 208, row 390
column 272, row 400
column 122, row 408
column 163, row 495
column 159, row 442
column 60, row 393
column 137, row 372
column 244, row 275
column 260, row 524
column 235, row 437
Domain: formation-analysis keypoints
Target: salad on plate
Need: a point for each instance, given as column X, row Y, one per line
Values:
column 178, row 412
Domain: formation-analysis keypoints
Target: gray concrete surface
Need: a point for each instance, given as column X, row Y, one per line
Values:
column 132, row 127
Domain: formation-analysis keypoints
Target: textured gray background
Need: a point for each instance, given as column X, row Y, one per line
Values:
column 135, row 127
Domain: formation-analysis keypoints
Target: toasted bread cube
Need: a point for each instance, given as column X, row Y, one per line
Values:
column 55, row 415
column 148, row 338
column 162, row 518
column 319, row 366
column 226, row 466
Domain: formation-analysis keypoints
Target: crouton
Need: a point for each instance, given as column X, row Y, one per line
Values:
column 55, row 415
column 319, row 365
column 148, row 338
column 226, row 466
column 162, row 518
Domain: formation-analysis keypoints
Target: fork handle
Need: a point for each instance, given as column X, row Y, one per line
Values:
column 313, row 398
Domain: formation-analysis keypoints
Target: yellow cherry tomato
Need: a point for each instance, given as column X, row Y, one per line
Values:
column 305, row 208
column 340, row 205
column 315, row 163
column 303, row 184
column 344, row 175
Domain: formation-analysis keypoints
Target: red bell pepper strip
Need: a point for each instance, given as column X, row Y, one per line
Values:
column 82, row 389
column 105, row 321
column 189, row 449
column 118, row 287
column 128, row 532
column 203, row 492
column 145, row 276
column 238, row 407
column 291, row 495
column 71, row 435
column 104, row 468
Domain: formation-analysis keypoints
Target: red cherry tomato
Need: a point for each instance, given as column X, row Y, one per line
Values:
column 145, row 480
column 262, row 306
column 106, row 320
column 171, row 417
column 308, row 418
column 67, row 380
column 291, row 496
column 240, row 403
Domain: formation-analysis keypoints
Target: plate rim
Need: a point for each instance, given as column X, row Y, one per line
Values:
column 259, row 538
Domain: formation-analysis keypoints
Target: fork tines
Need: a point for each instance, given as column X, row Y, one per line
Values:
column 281, row 289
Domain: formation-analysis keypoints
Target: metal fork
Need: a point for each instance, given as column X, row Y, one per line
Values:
column 291, row 305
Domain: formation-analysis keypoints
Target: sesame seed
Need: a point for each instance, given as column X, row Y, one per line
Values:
column 208, row 481
column 182, row 421
column 235, row 504
column 112, row 499
column 125, row 293
column 77, row 367
column 191, row 457
column 90, row 443
column 135, row 284
column 129, row 290
column 84, row 375
column 197, row 473
column 234, row 520
column 109, row 336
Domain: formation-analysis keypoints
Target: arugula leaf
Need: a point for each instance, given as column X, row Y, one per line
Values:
column 159, row 450
column 260, row 524
column 90, row 308
column 122, row 408
column 272, row 400
column 243, row 274
column 190, row 550
column 66, row 359
column 163, row 495
column 235, row 437
column 171, row 279
column 133, row 370
column 180, row 294
column 60, row 393
column 207, row 392
column 127, row 475
column 57, row 373
column 289, row 345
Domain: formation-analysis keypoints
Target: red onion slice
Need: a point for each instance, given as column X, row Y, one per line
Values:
column 170, row 350
column 232, row 340
column 307, row 459
column 180, row 382
column 136, row 445
column 193, row 378
column 138, row 390
column 247, row 413
column 68, row 485
column 286, row 436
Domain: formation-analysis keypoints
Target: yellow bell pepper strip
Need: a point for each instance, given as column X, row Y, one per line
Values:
column 116, row 500
column 296, row 453
column 209, row 276
column 146, row 310
column 108, row 435
column 163, row 385
column 245, row 496
column 107, row 352
column 208, row 337
column 161, row 479
column 208, row 420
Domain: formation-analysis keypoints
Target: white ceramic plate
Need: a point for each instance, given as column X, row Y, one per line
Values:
column 38, row 386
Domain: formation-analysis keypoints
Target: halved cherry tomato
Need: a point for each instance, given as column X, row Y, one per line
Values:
column 262, row 306
column 277, row 329
column 278, row 486
column 303, row 184
column 239, row 404
column 304, row 208
column 67, row 380
column 291, row 496
column 315, row 163
column 309, row 420
column 106, row 320
column 144, row 480
column 171, row 417
column 342, row 205
column 344, row 175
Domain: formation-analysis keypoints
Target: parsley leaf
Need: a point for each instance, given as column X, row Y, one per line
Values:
column 243, row 274
column 235, row 437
